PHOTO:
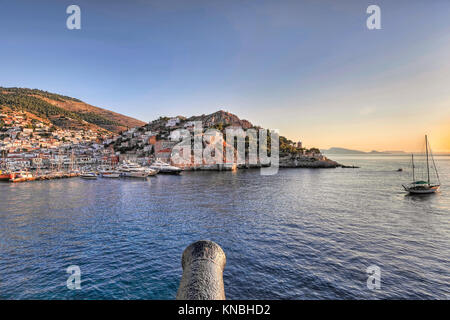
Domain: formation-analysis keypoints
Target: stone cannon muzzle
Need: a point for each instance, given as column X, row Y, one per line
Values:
column 203, row 263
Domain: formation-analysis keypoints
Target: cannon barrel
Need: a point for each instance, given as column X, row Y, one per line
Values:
column 203, row 263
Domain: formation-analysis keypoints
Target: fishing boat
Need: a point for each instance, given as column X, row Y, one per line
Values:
column 424, row 186
column 163, row 167
column 88, row 175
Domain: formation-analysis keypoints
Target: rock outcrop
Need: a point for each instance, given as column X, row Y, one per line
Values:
column 307, row 162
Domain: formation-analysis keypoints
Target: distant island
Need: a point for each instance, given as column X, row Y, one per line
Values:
column 336, row 150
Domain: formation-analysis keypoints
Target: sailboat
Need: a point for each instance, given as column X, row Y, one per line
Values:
column 421, row 186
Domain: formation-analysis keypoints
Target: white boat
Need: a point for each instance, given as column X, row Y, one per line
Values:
column 130, row 169
column 88, row 175
column 135, row 174
column 110, row 174
column 422, row 186
column 163, row 167
column 151, row 172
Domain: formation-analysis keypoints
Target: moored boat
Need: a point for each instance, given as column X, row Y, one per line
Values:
column 135, row 174
column 88, row 175
column 422, row 186
column 21, row 176
column 130, row 169
column 108, row 172
column 151, row 172
column 166, row 168
column 5, row 175
column 111, row 174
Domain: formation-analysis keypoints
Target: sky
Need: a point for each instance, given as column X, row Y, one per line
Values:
column 311, row 69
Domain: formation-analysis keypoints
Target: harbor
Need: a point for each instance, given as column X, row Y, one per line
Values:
column 309, row 234
column 127, row 169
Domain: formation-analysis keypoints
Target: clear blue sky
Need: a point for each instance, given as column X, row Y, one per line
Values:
column 309, row 68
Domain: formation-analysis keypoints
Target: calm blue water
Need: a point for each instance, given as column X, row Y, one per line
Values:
column 302, row 234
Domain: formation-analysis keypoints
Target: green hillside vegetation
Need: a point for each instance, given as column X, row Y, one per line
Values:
column 22, row 100
column 46, row 94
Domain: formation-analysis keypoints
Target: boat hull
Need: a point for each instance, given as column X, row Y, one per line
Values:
column 110, row 175
column 169, row 172
column 166, row 170
column 426, row 190
column 141, row 175
column 23, row 179
column 5, row 176
column 88, row 177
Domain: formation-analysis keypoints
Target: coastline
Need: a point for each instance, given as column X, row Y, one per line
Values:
column 298, row 161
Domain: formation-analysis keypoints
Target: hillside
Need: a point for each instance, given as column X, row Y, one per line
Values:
column 157, row 138
column 65, row 112
column 219, row 120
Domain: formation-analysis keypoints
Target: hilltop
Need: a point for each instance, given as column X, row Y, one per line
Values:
column 64, row 112
column 221, row 119
column 218, row 120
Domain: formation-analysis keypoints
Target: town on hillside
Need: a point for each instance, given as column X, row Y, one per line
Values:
column 27, row 143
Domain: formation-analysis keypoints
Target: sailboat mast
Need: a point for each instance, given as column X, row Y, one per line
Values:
column 435, row 168
column 413, row 167
column 428, row 165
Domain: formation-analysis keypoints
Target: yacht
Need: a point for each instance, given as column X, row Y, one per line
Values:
column 163, row 167
column 424, row 186
column 88, row 175
column 133, row 170
column 108, row 172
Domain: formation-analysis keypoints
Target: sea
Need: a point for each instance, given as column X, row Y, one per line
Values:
column 298, row 234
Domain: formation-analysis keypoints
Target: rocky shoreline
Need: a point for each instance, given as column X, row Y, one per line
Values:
column 307, row 162
column 284, row 162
